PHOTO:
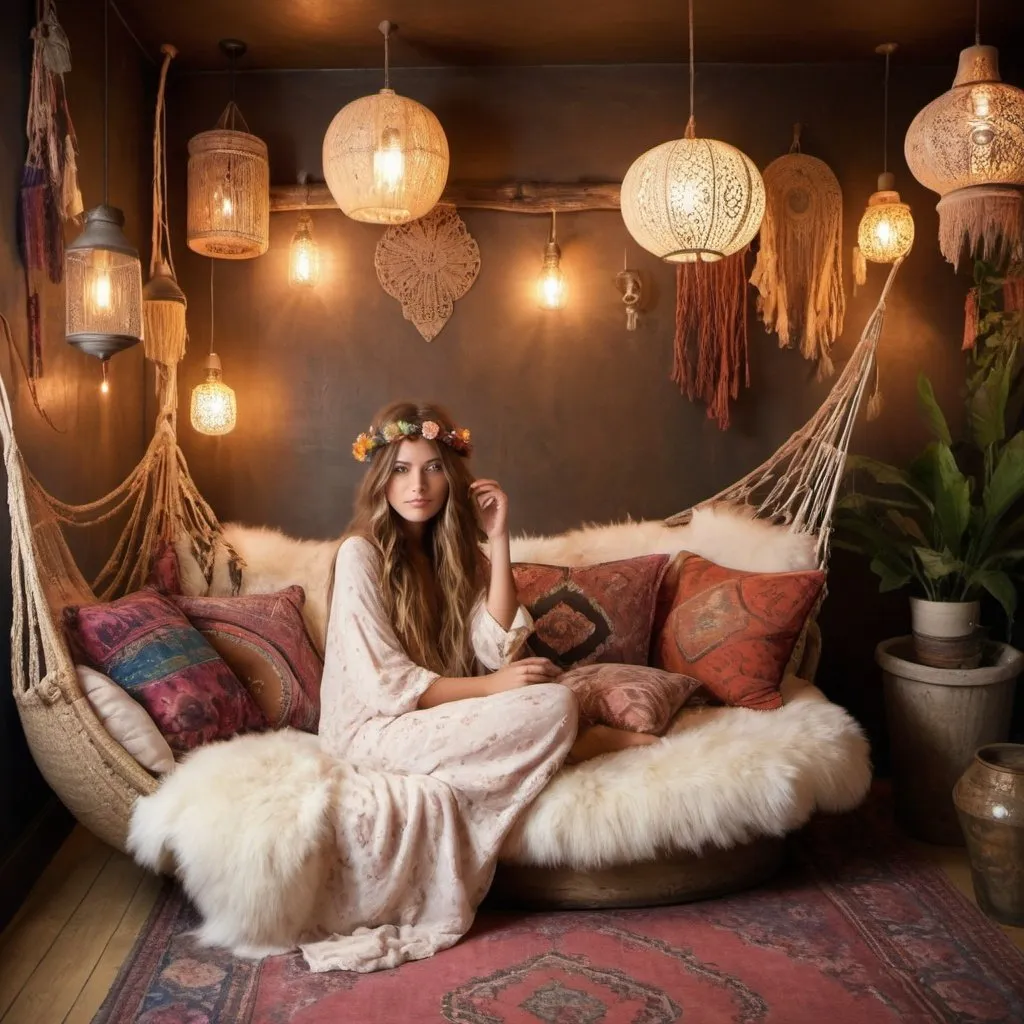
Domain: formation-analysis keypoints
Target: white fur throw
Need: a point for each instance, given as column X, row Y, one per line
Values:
column 724, row 534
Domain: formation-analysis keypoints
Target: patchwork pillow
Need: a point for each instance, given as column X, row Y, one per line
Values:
column 163, row 570
column 147, row 646
column 592, row 613
column 735, row 631
column 633, row 697
column 263, row 639
column 126, row 720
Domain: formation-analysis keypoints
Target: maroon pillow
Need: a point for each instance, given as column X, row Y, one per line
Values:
column 148, row 647
column 633, row 697
column 591, row 613
column 264, row 640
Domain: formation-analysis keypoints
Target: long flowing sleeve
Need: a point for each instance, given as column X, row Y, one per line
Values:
column 493, row 645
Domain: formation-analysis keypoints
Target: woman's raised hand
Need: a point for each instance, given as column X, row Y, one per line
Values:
column 524, row 672
column 492, row 507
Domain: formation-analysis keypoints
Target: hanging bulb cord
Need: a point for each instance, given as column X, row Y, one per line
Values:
column 212, row 262
column 885, row 120
column 977, row 22
column 385, row 28
column 690, row 124
column 106, row 99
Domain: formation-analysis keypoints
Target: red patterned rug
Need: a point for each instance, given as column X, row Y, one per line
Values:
column 856, row 930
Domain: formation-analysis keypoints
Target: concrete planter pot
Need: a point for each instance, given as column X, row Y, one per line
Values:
column 937, row 719
column 946, row 633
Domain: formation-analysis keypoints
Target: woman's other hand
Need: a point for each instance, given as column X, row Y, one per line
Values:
column 491, row 506
column 525, row 672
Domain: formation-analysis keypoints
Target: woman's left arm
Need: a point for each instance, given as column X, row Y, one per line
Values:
column 492, row 508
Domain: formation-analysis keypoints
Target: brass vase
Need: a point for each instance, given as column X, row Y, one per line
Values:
column 989, row 799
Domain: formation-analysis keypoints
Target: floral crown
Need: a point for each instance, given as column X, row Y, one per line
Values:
column 366, row 445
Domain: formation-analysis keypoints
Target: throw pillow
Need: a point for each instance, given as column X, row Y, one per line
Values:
column 147, row 646
column 263, row 639
column 735, row 631
column 633, row 697
column 163, row 570
column 126, row 720
column 593, row 613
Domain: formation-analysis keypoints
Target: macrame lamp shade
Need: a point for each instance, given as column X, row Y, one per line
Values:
column 886, row 230
column 163, row 306
column 968, row 145
column 692, row 199
column 213, row 410
column 103, row 286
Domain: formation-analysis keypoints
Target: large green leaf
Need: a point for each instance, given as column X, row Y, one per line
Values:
column 1007, row 483
column 1001, row 587
column 937, row 564
column 891, row 574
column 883, row 473
column 952, row 498
column 931, row 411
column 856, row 501
column 987, row 405
column 907, row 525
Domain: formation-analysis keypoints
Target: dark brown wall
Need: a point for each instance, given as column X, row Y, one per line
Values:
column 575, row 416
column 102, row 438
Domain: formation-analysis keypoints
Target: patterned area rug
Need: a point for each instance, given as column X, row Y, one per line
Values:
column 856, row 930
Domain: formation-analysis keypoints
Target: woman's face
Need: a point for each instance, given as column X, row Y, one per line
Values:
column 417, row 488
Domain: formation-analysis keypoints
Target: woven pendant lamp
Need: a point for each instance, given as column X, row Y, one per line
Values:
column 385, row 157
column 692, row 199
column 968, row 145
column 229, row 184
column 212, row 407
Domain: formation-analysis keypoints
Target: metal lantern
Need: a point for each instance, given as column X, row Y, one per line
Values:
column 385, row 157
column 968, row 145
column 886, row 230
column 213, row 410
column 103, row 286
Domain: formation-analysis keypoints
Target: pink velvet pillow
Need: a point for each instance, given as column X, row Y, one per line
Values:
column 593, row 613
column 633, row 697
column 263, row 638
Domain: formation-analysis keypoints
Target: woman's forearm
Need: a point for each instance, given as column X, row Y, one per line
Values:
column 446, row 689
column 502, row 601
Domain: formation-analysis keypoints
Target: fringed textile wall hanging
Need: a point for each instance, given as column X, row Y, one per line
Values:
column 799, row 268
column 49, row 178
column 711, row 354
column 163, row 301
column 427, row 264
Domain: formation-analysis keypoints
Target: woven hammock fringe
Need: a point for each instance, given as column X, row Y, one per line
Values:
column 711, row 312
column 165, row 334
column 860, row 269
column 876, row 403
column 970, row 320
column 991, row 225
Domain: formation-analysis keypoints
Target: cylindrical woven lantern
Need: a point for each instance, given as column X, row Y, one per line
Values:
column 692, row 199
column 163, row 306
column 385, row 159
column 968, row 145
column 228, row 192
column 213, row 410
column 102, row 287
column 886, row 230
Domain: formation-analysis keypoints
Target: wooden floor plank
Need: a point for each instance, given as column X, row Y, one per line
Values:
column 120, row 945
column 57, row 982
column 54, row 898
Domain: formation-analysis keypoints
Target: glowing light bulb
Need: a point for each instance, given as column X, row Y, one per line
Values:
column 551, row 288
column 883, row 232
column 688, row 197
column 304, row 264
column 101, row 291
column 105, row 383
column 389, row 160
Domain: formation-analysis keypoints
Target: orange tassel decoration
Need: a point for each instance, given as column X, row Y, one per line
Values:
column 970, row 320
column 711, row 317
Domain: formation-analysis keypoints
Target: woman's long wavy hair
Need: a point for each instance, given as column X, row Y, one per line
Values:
column 430, row 616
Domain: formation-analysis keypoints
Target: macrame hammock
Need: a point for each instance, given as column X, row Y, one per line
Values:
column 93, row 775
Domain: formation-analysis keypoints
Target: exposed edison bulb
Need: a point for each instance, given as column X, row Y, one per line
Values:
column 304, row 258
column 222, row 203
column 551, row 288
column 389, row 160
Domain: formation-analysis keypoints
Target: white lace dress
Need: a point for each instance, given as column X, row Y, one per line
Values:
column 422, row 855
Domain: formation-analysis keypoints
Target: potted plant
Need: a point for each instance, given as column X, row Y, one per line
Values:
column 949, row 527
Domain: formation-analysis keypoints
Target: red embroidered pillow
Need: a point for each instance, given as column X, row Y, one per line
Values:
column 591, row 613
column 148, row 647
column 633, row 697
column 263, row 639
column 734, row 631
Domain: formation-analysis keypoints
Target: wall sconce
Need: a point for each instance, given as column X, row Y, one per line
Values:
column 629, row 284
column 304, row 256
column 551, row 283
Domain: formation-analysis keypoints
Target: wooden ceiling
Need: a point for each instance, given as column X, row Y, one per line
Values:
column 343, row 33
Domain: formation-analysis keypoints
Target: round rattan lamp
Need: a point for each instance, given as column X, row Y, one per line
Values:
column 968, row 145
column 229, row 185
column 385, row 157
column 886, row 230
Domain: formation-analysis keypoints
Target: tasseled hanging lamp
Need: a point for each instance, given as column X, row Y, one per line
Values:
column 102, row 274
column 385, row 157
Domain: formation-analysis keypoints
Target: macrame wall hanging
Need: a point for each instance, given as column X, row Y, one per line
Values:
column 49, row 178
column 163, row 301
column 428, row 264
column 711, row 355
column 799, row 268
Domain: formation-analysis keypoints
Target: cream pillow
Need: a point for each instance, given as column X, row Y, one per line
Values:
column 126, row 720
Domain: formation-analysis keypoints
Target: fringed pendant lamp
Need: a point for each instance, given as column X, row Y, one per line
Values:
column 103, row 277
column 385, row 157
column 886, row 230
column 163, row 301
column 968, row 145
column 229, row 183
column 212, row 409
column 692, row 199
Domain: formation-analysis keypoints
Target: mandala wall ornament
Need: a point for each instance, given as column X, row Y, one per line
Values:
column 427, row 264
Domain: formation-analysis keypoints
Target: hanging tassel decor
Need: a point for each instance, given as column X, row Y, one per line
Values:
column 970, row 320
column 711, row 356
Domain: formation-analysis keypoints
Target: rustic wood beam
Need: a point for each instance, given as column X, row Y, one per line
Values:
column 511, row 197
